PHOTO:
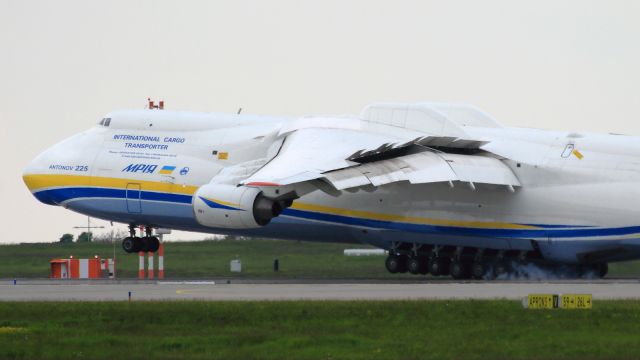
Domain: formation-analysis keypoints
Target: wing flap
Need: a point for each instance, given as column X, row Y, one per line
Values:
column 428, row 167
column 481, row 169
column 425, row 167
column 347, row 179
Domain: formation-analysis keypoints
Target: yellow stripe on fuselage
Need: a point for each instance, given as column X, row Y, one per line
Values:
column 407, row 219
column 37, row 182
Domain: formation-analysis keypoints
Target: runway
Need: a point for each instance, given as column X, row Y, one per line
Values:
column 247, row 290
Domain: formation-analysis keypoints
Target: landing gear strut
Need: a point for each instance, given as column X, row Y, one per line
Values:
column 132, row 243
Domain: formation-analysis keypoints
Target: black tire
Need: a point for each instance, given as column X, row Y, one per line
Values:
column 129, row 244
column 396, row 263
column 460, row 270
column 439, row 266
column 391, row 263
column 478, row 270
column 153, row 243
column 417, row 265
column 403, row 260
column 413, row 265
column 143, row 244
column 434, row 269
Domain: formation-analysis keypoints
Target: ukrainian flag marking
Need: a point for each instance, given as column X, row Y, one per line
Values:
column 167, row 170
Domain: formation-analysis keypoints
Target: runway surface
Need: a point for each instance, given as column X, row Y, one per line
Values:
column 246, row 290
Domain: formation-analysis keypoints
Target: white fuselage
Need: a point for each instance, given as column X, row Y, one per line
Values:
column 145, row 166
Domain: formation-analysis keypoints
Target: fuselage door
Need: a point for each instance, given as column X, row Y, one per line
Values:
column 134, row 195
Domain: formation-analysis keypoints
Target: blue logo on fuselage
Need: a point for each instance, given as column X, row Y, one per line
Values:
column 141, row 168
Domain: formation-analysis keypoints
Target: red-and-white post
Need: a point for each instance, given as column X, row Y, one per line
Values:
column 141, row 265
column 161, row 261
column 112, row 268
column 150, row 267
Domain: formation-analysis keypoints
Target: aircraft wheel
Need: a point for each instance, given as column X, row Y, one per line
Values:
column 439, row 266
column 129, row 244
column 478, row 270
column 143, row 244
column 153, row 244
column 396, row 263
column 417, row 265
column 460, row 270
column 434, row 269
column 413, row 265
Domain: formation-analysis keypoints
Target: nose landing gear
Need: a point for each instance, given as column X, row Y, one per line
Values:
column 148, row 243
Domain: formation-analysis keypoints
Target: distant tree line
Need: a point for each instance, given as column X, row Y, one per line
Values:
column 87, row 236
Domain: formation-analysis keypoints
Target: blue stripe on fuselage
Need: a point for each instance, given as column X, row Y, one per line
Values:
column 59, row 195
column 462, row 231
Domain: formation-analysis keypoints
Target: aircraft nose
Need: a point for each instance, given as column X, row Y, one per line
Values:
column 52, row 175
column 35, row 177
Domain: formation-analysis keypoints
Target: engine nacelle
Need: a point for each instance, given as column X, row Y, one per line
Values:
column 234, row 207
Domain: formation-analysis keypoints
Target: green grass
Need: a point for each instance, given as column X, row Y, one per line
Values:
column 206, row 259
column 317, row 330
column 625, row 269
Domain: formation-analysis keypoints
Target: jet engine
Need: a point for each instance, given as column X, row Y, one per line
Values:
column 235, row 207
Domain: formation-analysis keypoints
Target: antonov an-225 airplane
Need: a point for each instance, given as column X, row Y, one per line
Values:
column 444, row 188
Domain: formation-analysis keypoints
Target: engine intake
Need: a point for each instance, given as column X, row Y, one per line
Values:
column 233, row 207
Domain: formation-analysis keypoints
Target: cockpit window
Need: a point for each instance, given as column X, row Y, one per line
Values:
column 105, row 122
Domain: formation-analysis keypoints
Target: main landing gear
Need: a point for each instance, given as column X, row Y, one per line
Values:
column 462, row 263
column 148, row 243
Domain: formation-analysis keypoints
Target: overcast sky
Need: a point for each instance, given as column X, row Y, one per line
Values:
column 571, row 65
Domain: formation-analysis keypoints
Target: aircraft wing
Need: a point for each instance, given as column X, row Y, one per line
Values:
column 346, row 159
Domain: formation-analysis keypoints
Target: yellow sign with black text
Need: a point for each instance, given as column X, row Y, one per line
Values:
column 576, row 301
column 553, row 301
column 540, row 301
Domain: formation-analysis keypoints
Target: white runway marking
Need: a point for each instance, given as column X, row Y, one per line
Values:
column 189, row 290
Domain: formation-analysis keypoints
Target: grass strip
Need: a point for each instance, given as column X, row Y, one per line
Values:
column 317, row 330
